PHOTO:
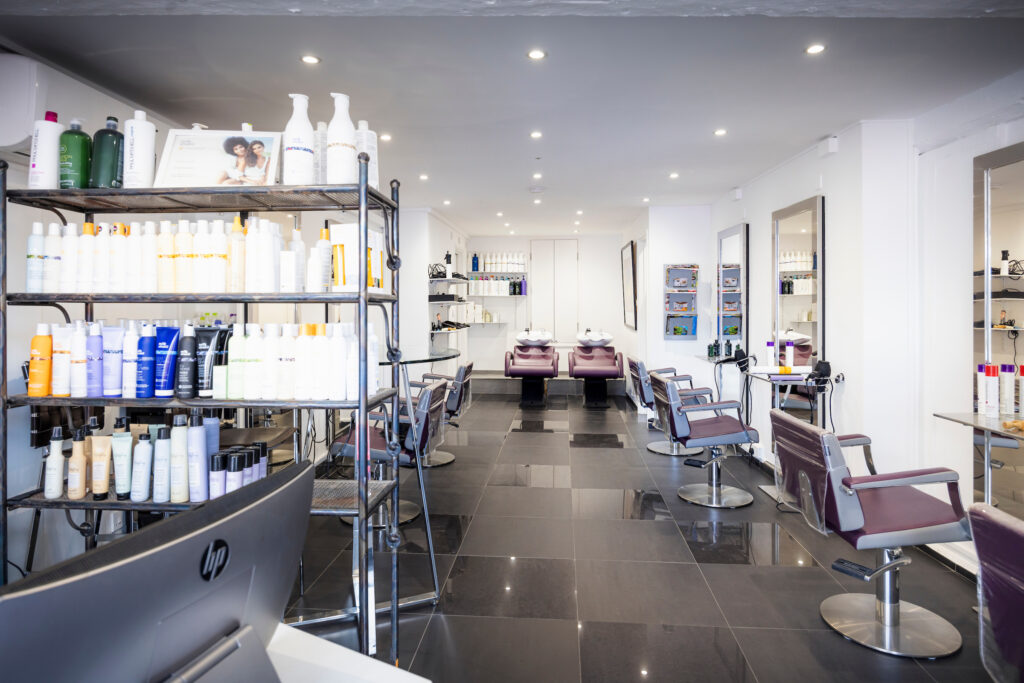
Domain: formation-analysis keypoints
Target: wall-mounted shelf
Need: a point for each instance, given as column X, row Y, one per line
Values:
column 450, row 331
column 681, row 281
column 448, row 281
column 501, row 296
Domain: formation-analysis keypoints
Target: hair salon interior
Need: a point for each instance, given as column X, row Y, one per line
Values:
column 512, row 341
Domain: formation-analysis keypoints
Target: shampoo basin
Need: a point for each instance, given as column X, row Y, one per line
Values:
column 594, row 338
column 534, row 338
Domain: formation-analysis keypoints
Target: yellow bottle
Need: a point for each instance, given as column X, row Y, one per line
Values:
column 40, row 364
column 76, row 467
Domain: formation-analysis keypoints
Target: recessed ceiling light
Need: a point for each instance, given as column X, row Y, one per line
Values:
column 673, row 175
column 579, row 212
column 536, row 54
column 536, row 135
column 512, row 232
column 507, row 224
column 815, row 49
column 803, row 230
column 310, row 59
column 291, row 216
column 447, row 202
column 575, row 231
column 424, row 176
column 499, row 214
column 508, row 588
column 575, row 222
column 536, row 201
column 385, row 137
column 537, row 176
column 720, row 132
column 647, row 199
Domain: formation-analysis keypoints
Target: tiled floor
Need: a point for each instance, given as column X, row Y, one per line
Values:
column 565, row 555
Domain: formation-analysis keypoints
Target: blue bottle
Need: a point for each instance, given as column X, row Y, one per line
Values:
column 476, row 263
column 145, row 377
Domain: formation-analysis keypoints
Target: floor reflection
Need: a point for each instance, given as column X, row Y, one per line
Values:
column 757, row 543
column 532, row 476
column 618, row 504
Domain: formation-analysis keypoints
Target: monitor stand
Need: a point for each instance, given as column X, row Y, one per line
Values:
column 238, row 656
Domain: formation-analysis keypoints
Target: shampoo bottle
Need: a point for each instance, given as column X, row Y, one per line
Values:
column 217, row 276
column 366, row 142
column 162, row 466
column 304, row 364
column 113, row 361
column 119, row 259
column 139, row 151
column 121, row 445
column 150, row 258
column 323, row 246
column 69, row 259
column 53, row 482
column 236, row 257
column 236, row 363
column 198, row 464
column 298, row 249
column 142, row 464
column 79, row 376
column 40, row 362
column 101, row 259
column 100, row 465
column 186, row 385
column 75, row 157
column 165, row 254
column 319, row 372
column 285, row 382
column 107, row 168
column 184, row 257
column 52, row 248
column 76, row 467
column 145, row 377
column 44, row 159
column 133, row 257
column 35, row 254
column 253, row 364
column 201, row 261
column 129, row 360
column 271, row 360
column 60, row 374
column 342, row 167
column 338, row 369
column 94, row 361
column 179, row 460
column 298, row 145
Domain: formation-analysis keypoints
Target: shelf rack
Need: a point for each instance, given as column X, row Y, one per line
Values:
column 361, row 496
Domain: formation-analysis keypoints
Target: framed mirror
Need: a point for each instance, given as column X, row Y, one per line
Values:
column 732, row 287
column 628, row 255
column 798, row 245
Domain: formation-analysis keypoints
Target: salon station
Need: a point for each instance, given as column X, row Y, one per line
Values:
column 684, row 347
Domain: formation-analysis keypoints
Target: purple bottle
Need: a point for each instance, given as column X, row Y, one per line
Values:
column 522, row 287
column 94, row 362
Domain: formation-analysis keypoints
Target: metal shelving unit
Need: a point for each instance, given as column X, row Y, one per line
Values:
column 356, row 498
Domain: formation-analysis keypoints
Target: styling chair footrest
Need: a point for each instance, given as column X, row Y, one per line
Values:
column 851, row 568
column 696, row 462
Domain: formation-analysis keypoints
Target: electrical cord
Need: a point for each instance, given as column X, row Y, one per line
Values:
column 23, row 572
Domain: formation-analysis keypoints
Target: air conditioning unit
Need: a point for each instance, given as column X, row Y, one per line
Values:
column 23, row 89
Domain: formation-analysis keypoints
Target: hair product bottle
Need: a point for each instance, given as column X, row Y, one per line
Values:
column 324, row 250
column 40, row 364
column 211, row 424
column 94, row 361
column 167, row 338
column 270, row 361
column 133, row 259
column 319, row 371
column 337, row 367
column 201, row 248
column 60, row 367
column 179, row 460
column 150, row 258
column 53, row 478
column 198, row 464
column 34, row 257
column 297, row 143
column 162, row 466
column 129, row 361
column 342, row 167
column 119, row 259
column 366, row 141
column 76, row 467
column 107, row 168
column 43, row 173
column 52, row 248
column 218, row 475
column 285, row 382
column 304, row 364
column 75, row 157
column 186, row 385
column 165, row 259
column 78, row 353
column 113, row 361
column 142, row 464
column 236, row 257
column 184, row 257
column 217, row 259
column 145, row 378
column 233, row 478
column 139, row 151
column 236, row 362
column 121, row 446
column 101, row 259
column 69, row 259
column 86, row 254
column 100, row 466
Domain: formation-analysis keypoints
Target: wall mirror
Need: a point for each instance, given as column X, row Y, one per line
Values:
column 731, row 288
column 798, row 239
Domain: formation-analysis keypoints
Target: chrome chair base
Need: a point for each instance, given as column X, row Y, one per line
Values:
column 920, row 633
column 668, row 448
column 715, row 496
column 407, row 512
column 437, row 459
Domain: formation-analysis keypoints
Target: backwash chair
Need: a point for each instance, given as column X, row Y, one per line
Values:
column 595, row 365
column 535, row 365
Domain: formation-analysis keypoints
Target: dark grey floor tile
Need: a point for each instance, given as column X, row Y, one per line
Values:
column 530, row 455
column 784, row 656
column 606, row 457
column 411, row 626
column 459, row 649
column 458, row 474
column 645, row 593
column 542, row 414
column 472, row 436
column 961, row 667
column 515, row 501
column 771, row 597
column 622, row 539
column 532, row 476
column 557, row 403
column 619, row 504
column 503, row 587
column 539, row 426
column 328, row 533
column 760, row 543
column 655, row 653
column 519, row 537
column 448, row 532
column 595, row 440
column 473, row 455
column 447, row 500
column 484, row 424
column 559, row 440
column 598, row 477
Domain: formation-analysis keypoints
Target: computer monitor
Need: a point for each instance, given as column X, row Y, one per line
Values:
column 194, row 597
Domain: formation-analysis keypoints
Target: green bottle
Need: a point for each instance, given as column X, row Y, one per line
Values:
column 107, row 156
column 75, row 157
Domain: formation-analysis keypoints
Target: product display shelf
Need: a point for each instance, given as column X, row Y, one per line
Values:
column 501, row 296
column 498, row 272
column 361, row 496
column 448, row 281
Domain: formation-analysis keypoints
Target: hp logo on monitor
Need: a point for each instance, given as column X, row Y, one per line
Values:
column 214, row 560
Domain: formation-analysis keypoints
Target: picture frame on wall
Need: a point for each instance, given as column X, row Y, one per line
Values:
column 214, row 158
column 628, row 256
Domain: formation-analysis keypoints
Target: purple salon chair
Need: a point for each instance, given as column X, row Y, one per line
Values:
column 595, row 365
column 458, row 387
column 645, row 394
column 711, row 433
column 880, row 512
column 999, row 540
column 535, row 365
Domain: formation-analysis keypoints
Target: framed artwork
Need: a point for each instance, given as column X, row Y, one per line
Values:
column 208, row 158
column 629, row 284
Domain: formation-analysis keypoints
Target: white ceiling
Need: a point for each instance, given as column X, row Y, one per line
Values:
column 621, row 102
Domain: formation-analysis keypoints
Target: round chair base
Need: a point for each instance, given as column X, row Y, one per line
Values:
column 438, row 459
column 407, row 512
column 668, row 448
column 710, row 497
column 921, row 633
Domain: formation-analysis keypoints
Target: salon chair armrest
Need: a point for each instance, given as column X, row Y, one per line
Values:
column 714, row 405
column 931, row 475
column 434, row 376
column 508, row 362
column 846, row 440
column 664, row 371
column 700, row 391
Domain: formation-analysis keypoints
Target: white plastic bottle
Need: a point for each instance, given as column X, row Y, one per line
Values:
column 51, row 259
column 162, row 466
column 253, row 363
column 198, row 461
column 201, row 262
column 297, row 247
column 236, row 257
column 179, row 460
column 150, row 258
column 101, row 258
column 338, row 366
column 323, row 247
column 342, row 166
column 44, row 160
column 320, row 377
column 304, row 365
column 53, row 483
column 184, row 257
column 79, row 374
column 119, row 259
column 252, row 256
column 34, row 257
column 366, row 141
column 165, row 259
column 372, row 359
column 139, row 151
column 142, row 464
column 129, row 360
column 351, row 363
column 271, row 360
column 133, row 259
column 218, row 275
column 236, row 362
column 298, row 143
column 277, row 246
column 286, row 364
column 69, row 259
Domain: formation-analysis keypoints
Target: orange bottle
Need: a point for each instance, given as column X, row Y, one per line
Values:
column 40, row 362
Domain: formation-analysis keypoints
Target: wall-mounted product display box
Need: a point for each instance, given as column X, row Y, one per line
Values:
column 730, row 301
column 681, row 300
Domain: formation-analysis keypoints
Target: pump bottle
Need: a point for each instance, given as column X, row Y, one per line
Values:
column 107, row 168
column 342, row 166
column 139, row 151
column 298, row 142
column 75, row 157
column 366, row 143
